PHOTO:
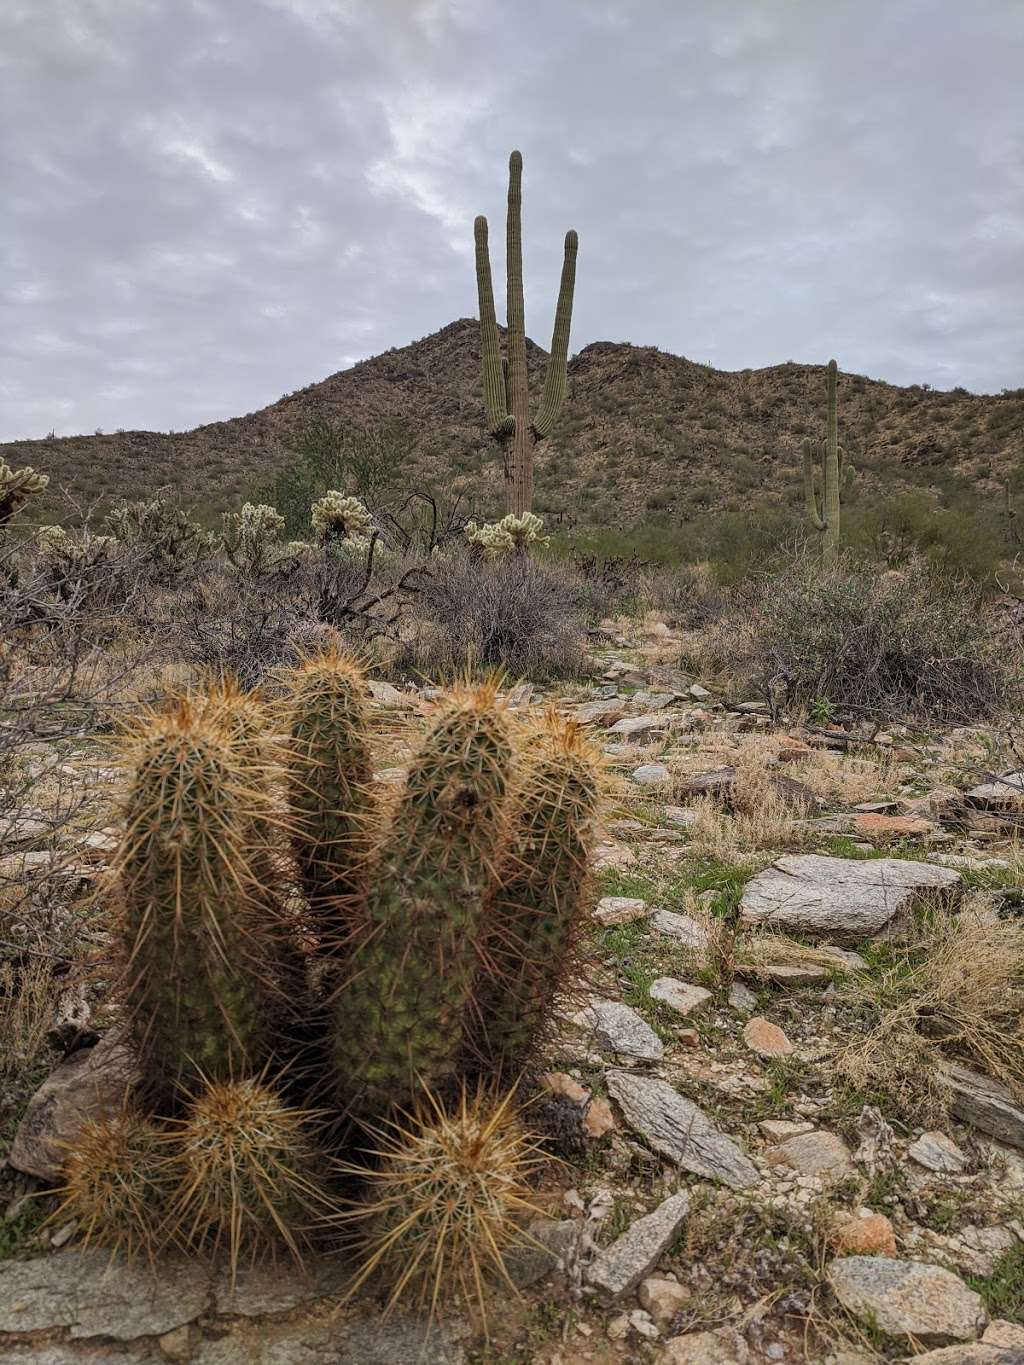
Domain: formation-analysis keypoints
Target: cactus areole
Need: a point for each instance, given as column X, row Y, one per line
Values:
column 506, row 383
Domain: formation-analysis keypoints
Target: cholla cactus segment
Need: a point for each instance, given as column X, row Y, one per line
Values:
column 512, row 533
column 252, row 535
column 336, row 517
column 16, row 487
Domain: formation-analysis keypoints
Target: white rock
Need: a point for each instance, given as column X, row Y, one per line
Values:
column 619, row 1029
column 908, row 1298
column 845, row 897
column 650, row 775
column 620, row 1267
column 684, row 928
column 619, row 909
column 629, row 726
column 680, row 995
column 936, row 1152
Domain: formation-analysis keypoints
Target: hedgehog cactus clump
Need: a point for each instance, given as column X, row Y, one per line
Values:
column 399, row 1020
column 537, row 899
column 506, row 383
column 16, row 487
column 338, row 518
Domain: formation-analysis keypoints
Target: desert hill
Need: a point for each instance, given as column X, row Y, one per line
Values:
column 642, row 433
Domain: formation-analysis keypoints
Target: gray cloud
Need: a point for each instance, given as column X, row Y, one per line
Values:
column 210, row 202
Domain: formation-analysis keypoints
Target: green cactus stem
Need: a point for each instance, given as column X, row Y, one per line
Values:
column 824, row 513
column 506, row 383
column 398, row 1019
column 538, row 900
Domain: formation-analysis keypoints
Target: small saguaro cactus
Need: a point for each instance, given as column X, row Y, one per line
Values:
column 824, row 514
column 506, row 383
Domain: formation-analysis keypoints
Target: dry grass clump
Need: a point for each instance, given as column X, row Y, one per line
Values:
column 26, row 1013
column 847, row 779
column 446, row 1194
column 958, row 993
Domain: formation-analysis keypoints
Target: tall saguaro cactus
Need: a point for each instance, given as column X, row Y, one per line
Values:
column 506, row 383
column 824, row 516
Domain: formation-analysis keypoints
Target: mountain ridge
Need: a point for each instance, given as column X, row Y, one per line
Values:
column 642, row 432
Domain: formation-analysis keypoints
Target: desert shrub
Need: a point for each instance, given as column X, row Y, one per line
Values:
column 969, row 536
column 609, row 584
column 900, row 642
column 514, row 613
column 167, row 544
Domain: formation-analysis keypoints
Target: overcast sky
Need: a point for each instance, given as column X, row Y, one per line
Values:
column 208, row 203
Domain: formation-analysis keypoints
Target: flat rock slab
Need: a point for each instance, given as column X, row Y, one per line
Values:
column 985, row 1103
column 842, row 897
column 683, row 928
column 936, row 1152
column 619, row 909
column 619, row 1029
column 973, row 1353
column 396, row 1340
column 676, row 1128
column 630, row 727
column 825, row 1155
column 90, row 1084
column 651, row 775
column 620, row 1267
column 680, row 995
column 908, row 1298
column 1001, row 793
column 95, row 1295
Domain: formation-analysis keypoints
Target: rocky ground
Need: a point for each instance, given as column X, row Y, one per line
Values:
column 739, row 1183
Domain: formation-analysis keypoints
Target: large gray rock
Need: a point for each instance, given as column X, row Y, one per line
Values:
column 92, row 1083
column 683, row 928
column 93, row 1294
column 676, row 1128
column 908, row 1298
column 621, row 1267
column 984, row 1102
column 842, row 897
column 619, row 1029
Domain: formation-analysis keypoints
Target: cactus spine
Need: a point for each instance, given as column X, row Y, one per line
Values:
column 191, row 925
column 398, row 1020
column 331, row 791
column 824, row 517
column 537, row 900
column 506, row 386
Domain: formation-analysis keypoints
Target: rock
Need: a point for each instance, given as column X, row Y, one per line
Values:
column 676, row 1128
column 766, row 1038
column 706, row 1348
column 559, row 1083
column 620, row 1267
column 651, row 775
column 385, row 694
column 177, row 1345
column 785, row 973
column 844, row 897
column 699, row 693
column 872, row 1236
column 971, row 1353
column 1000, row 1332
column 684, row 928
column 26, row 830
column 652, row 701
column 550, row 1243
column 781, row 1129
column 750, row 708
column 619, row 1029
column 259, row 1289
column 598, row 711
column 633, row 727
column 1001, row 793
column 683, row 816
column 598, row 1119
column 90, row 1084
column 741, row 998
column 396, row 1340
column 822, row 1154
column 91, row 1296
column 663, row 1299
column 908, row 1298
column 985, row 1103
column 611, row 855
column 619, row 910
column 936, row 1152
column 680, row 996
column 716, row 783
column 882, row 827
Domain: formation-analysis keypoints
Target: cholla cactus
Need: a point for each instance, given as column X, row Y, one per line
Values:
column 252, row 537
column 336, row 517
column 78, row 565
column 16, row 487
column 162, row 535
column 510, row 535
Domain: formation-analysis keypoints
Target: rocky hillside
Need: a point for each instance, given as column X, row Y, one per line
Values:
column 642, row 432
